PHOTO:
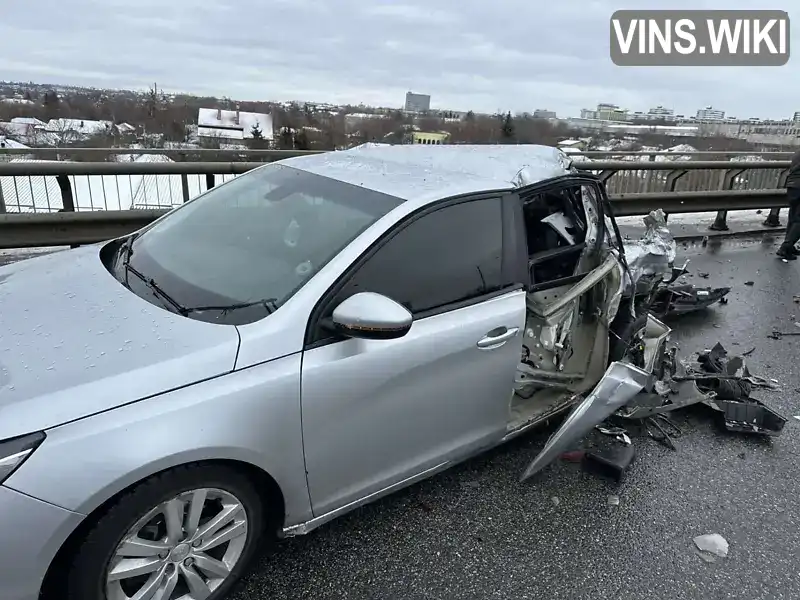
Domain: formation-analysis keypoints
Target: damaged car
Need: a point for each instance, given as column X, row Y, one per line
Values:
column 292, row 344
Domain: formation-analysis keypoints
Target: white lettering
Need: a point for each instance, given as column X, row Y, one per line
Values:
column 724, row 30
column 663, row 36
column 642, row 33
column 782, row 36
column 680, row 32
column 624, row 41
column 761, row 35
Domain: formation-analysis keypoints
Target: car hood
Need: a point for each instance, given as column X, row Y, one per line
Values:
column 74, row 341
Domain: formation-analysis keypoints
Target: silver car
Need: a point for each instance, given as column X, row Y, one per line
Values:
column 292, row 344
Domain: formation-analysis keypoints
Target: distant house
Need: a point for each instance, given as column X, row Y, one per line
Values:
column 29, row 131
column 28, row 121
column 71, row 130
column 126, row 128
column 227, row 125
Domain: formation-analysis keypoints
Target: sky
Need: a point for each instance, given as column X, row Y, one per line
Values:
column 482, row 55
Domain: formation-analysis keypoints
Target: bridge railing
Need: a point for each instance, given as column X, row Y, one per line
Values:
column 105, row 197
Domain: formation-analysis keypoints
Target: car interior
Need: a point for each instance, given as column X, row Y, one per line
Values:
column 563, row 350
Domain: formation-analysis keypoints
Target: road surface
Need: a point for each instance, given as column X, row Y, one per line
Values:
column 476, row 532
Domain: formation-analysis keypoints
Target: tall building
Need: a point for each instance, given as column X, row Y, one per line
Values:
column 795, row 118
column 606, row 112
column 659, row 112
column 543, row 113
column 710, row 114
column 417, row 103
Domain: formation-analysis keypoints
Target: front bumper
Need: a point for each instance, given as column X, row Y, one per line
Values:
column 31, row 532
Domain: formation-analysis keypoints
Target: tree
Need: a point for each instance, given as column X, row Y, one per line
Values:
column 286, row 138
column 257, row 141
column 507, row 131
column 52, row 105
column 301, row 141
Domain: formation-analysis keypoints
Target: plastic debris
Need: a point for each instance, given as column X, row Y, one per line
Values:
column 713, row 545
column 749, row 283
column 613, row 500
column 555, row 500
column 611, row 463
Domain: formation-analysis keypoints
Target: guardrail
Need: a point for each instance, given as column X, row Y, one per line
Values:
column 65, row 221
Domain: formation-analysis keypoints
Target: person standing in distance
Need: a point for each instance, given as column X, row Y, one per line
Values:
column 787, row 249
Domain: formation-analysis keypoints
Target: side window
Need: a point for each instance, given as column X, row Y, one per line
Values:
column 556, row 225
column 451, row 255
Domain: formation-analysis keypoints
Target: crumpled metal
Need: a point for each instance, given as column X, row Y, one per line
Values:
column 650, row 257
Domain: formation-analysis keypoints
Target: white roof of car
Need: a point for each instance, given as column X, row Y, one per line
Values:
column 429, row 172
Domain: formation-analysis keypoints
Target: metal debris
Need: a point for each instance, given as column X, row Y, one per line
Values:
column 776, row 335
column 712, row 378
column 650, row 257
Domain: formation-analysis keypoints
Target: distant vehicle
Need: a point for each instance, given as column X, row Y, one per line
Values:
column 293, row 344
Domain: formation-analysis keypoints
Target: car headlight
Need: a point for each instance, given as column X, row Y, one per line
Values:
column 13, row 452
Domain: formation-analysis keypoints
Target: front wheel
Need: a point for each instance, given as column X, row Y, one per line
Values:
column 186, row 533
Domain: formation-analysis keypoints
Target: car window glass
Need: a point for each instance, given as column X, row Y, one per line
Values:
column 451, row 255
column 259, row 236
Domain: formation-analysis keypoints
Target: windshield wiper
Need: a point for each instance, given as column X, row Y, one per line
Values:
column 150, row 282
column 270, row 304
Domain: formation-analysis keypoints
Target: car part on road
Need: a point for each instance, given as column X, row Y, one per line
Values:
column 776, row 335
column 610, row 462
column 620, row 383
column 751, row 416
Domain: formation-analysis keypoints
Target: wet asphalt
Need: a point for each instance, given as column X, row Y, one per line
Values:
column 477, row 532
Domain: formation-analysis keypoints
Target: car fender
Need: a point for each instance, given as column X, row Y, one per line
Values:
column 251, row 416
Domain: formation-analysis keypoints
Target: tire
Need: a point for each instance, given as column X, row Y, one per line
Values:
column 622, row 335
column 87, row 576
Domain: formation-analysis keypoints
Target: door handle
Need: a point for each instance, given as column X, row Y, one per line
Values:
column 490, row 342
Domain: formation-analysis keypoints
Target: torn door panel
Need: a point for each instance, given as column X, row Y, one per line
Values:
column 621, row 382
column 650, row 257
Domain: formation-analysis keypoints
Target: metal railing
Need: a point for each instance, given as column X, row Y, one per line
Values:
column 124, row 194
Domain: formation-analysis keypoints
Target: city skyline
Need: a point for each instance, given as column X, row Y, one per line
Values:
column 509, row 55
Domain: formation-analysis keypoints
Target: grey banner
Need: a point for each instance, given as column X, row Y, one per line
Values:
column 712, row 38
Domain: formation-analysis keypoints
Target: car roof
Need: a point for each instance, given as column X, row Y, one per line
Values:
column 425, row 172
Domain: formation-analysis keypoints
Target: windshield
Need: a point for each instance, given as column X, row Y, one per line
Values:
column 256, row 239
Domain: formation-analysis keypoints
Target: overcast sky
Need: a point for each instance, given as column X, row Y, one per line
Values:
column 484, row 55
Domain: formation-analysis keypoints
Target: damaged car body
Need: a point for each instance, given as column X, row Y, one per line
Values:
column 295, row 343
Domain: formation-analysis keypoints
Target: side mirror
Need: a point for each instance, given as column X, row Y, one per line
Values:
column 371, row 316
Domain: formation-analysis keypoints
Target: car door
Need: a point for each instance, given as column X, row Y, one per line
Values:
column 377, row 413
column 605, row 387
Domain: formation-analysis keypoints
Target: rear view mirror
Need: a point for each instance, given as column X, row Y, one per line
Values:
column 371, row 316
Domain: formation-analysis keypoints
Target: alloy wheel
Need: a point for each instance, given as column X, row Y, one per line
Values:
column 184, row 548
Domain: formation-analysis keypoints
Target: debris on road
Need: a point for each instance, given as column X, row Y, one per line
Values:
column 712, row 378
column 613, row 500
column 610, row 462
column 711, row 546
column 776, row 335
column 749, row 283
